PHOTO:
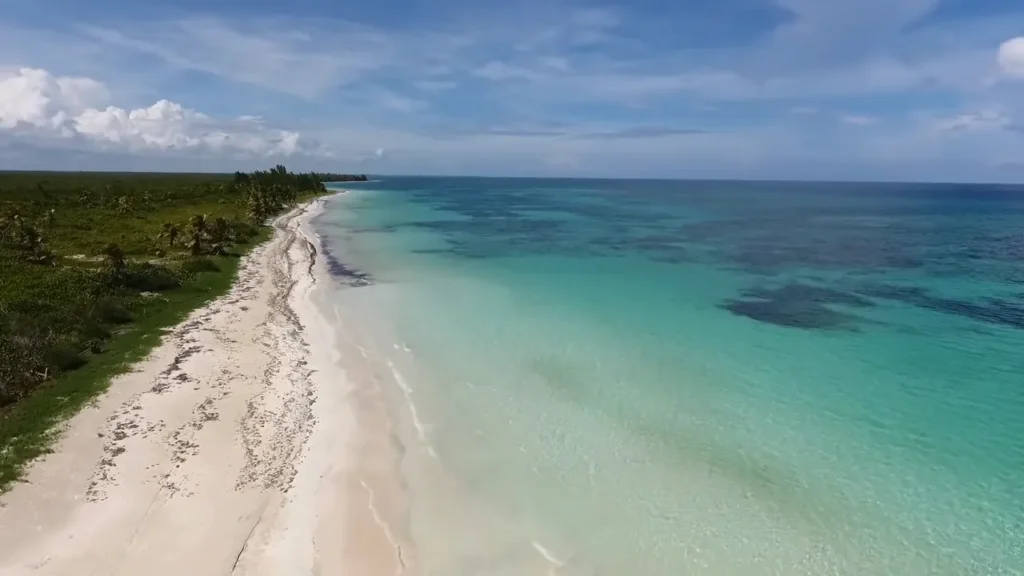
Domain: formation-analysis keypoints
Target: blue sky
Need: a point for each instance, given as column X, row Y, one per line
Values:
column 819, row 89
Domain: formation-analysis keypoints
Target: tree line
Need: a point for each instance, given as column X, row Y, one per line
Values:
column 84, row 254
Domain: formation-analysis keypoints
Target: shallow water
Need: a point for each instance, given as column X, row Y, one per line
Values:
column 696, row 378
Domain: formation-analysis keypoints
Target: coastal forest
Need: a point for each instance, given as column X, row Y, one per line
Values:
column 94, row 266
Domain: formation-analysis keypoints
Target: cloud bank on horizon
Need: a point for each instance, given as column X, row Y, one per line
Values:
column 836, row 89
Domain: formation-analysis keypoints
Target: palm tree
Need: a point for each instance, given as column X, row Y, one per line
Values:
column 198, row 231
column 29, row 237
column 32, row 242
column 220, row 236
column 259, row 203
column 8, row 222
column 171, row 232
column 116, row 262
column 41, row 255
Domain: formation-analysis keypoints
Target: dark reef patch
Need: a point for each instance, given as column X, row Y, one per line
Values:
column 990, row 310
column 798, row 305
column 810, row 293
column 807, row 315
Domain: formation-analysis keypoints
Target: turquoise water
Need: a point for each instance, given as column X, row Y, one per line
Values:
column 697, row 378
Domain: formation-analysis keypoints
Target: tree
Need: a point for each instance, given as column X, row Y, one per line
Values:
column 28, row 237
column 198, row 232
column 33, row 243
column 262, row 201
column 220, row 236
column 171, row 231
column 116, row 262
column 12, row 221
column 125, row 204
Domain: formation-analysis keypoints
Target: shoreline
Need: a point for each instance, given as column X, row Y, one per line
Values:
column 239, row 445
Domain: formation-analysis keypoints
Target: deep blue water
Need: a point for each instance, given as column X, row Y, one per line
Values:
column 711, row 377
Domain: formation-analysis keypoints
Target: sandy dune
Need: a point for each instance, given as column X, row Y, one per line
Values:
column 234, row 448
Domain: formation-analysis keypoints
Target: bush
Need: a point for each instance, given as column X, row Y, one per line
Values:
column 199, row 264
column 108, row 310
column 243, row 231
column 93, row 329
column 64, row 358
column 148, row 277
column 21, row 357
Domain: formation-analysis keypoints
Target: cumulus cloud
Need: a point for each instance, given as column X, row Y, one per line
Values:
column 1011, row 57
column 37, row 104
column 36, row 98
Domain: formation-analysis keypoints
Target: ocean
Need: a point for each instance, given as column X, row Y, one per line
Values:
column 680, row 377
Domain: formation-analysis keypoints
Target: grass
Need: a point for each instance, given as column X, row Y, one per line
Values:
column 90, row 285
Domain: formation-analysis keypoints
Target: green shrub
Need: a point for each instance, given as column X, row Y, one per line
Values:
column 64, row 358
column 148, row 277
column 94, row 329
column 108, row 310
column 22, row 363
column 199, row 264
column 243, row 231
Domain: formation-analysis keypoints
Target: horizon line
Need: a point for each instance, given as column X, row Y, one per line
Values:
column 520, row 177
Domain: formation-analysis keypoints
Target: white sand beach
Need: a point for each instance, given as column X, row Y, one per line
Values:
column 239, row 446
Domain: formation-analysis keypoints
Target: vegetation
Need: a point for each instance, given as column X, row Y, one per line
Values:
column 328, row 177
column 94, row 267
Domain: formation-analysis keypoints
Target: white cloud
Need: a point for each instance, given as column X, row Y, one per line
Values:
column 501, row 71
column 983, row 121
column 398, row 103
column 594, row 19
column 435, row 85
column 35, row 98
column 858, row 120
column 629, row 83
column 263, row 53
column 557, row 63
column 37, row 104
column 591, row 26
column 309, row 59
column 1011, row 57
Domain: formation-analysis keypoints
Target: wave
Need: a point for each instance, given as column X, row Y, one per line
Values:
column 421, row 430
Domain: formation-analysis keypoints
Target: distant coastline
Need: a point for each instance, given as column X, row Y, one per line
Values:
column 342, row 177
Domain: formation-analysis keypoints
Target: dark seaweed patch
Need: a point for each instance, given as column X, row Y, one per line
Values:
column 338, row 269
column 807, row 315
column 806, row 292
column 990, row 310
column 797, row 305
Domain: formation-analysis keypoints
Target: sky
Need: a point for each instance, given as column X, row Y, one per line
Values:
column 927, row 90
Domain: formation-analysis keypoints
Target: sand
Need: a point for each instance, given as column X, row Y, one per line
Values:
column 239, row 446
